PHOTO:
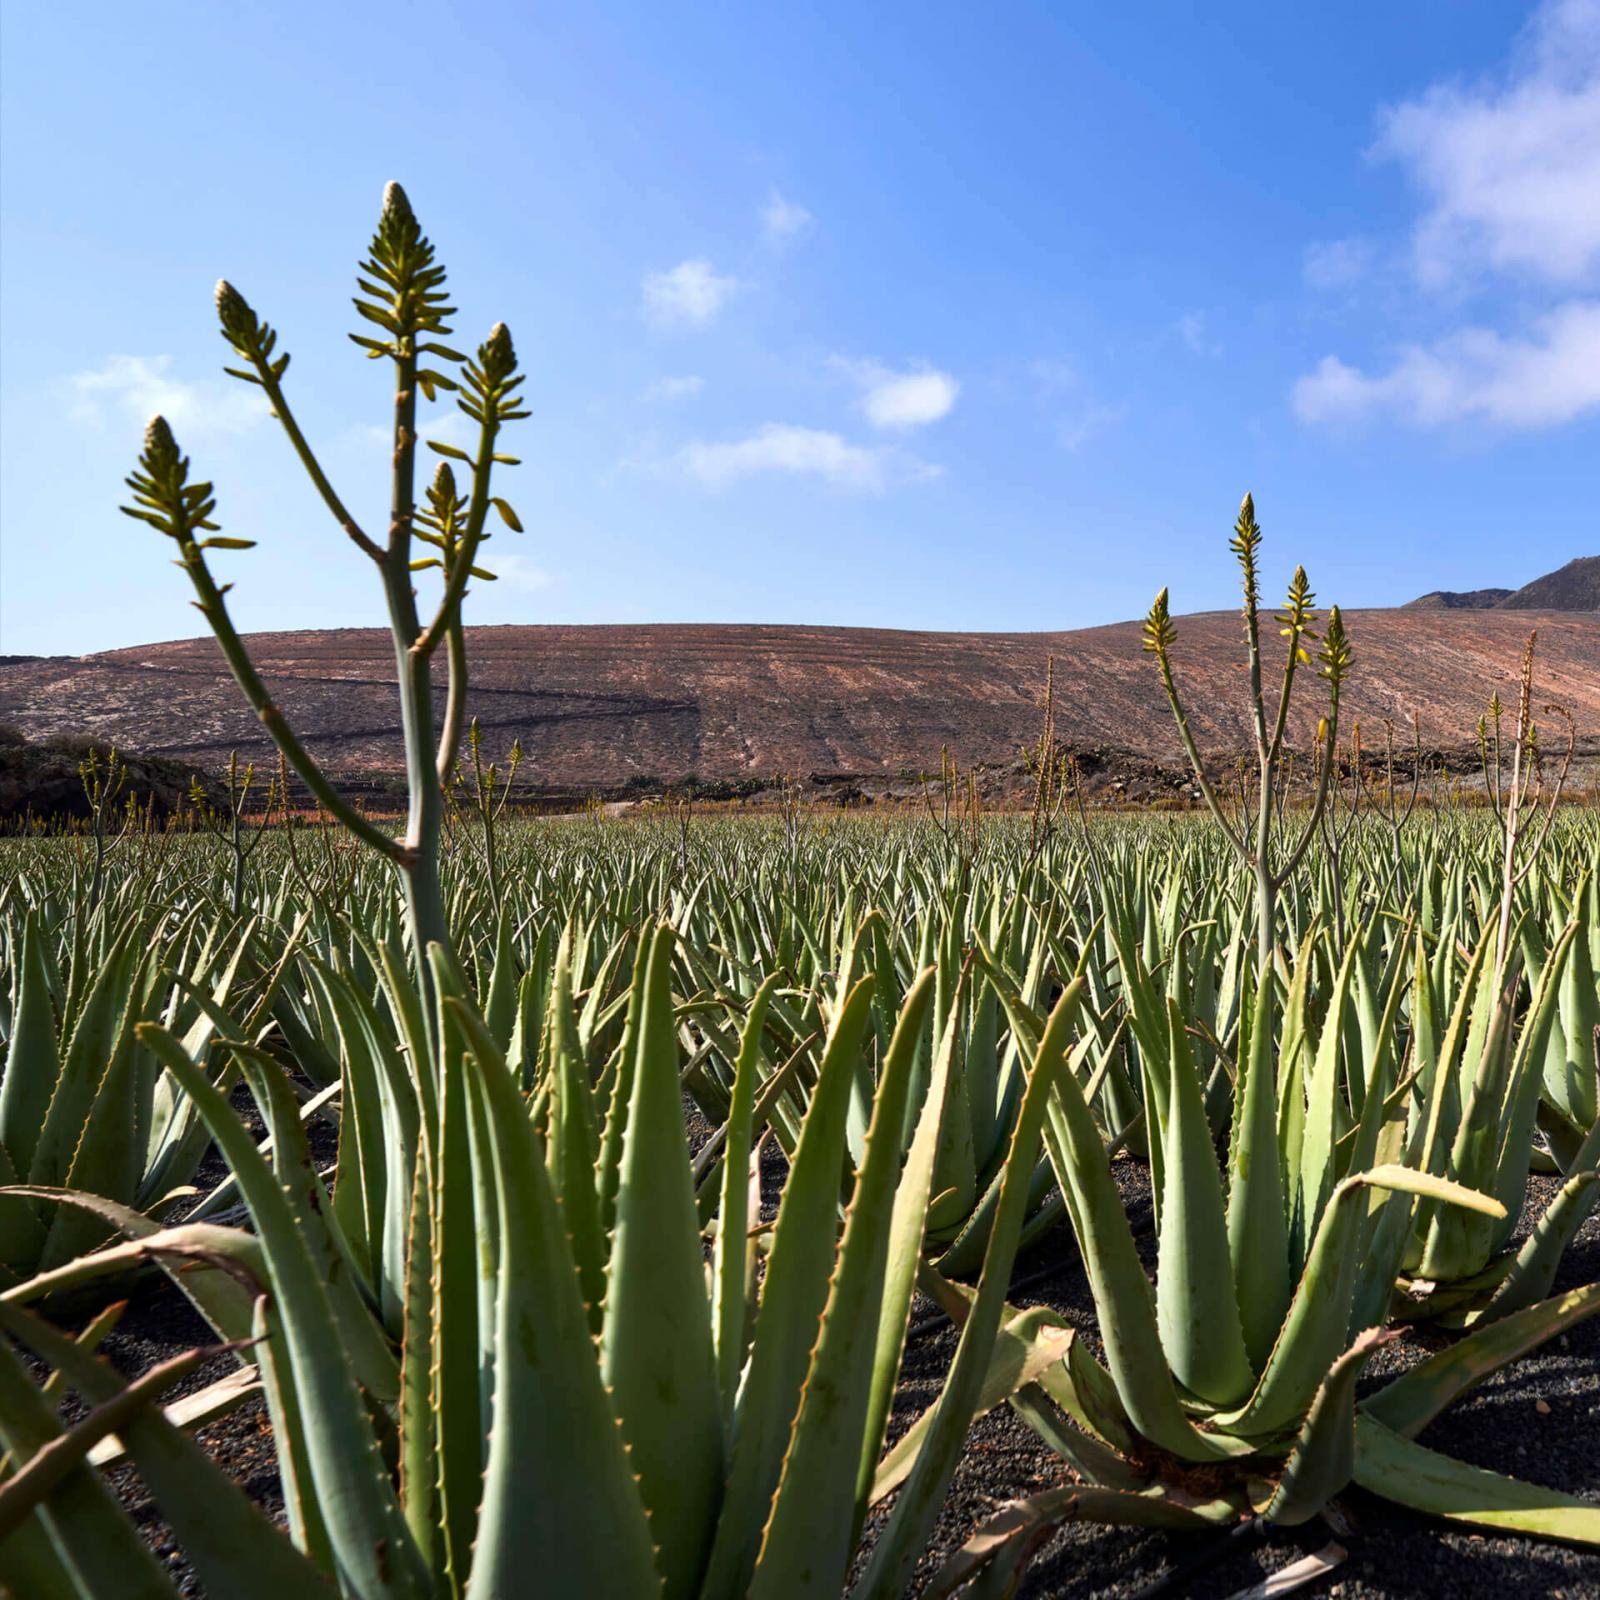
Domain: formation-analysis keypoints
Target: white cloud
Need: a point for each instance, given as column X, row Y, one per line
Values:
column 797, row 452
column 1474, row 375
column 689, row 294
column 782, row 221
column 1511, row 166
column 684, row 388
column 901, row 400
column 1194, row 333
column 448, row 427
column 136, row 388
column 516, row 571
column 1336, row 263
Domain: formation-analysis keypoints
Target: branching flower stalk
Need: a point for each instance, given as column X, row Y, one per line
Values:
column 1513, row 801
column 101, row 786
column 402, row 295
column 1395, row 814
column 1253, row 843
column 1257, row 1225
column 487, row 795
column 1336, row 830
column 230, row 825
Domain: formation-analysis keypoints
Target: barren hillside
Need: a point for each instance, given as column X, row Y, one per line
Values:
column 596, row 707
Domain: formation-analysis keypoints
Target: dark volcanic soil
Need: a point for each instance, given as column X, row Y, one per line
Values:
column 1392, row 1552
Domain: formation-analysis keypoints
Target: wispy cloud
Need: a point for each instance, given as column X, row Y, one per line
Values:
column 1511, row 166
column 682, row 388
column 1192, row 329
column 1337, row 263
column 516, row 571
column 1077, row 425
column 1473, row 375
column 785, row 450
column 782, row 221
column 898, row 401
column 691, row 294
column 1076, row 413
column 136, row 388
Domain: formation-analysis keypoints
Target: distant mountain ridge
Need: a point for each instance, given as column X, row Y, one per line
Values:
column 1574, row 587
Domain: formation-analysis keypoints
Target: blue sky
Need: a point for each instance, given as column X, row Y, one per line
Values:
column 927, row 315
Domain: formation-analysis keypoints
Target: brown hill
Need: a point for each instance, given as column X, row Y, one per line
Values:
column 1459, row 600
column 1574, row 587
column 600, row 707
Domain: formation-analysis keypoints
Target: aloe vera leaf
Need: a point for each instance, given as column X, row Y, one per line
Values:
column 189, row 1253
column 232, row 1545
column 1322, row 1460
column 1258, row 1226
column 609, row 1168
column 1407, row 1404
column 1400, row 1469
column 1315, row 1329
column 30, row 1565
column 905, row 1253
column 1027, row 1345
column 656, row 1352
column 729, row 1310
column 1537, row 1262
column 1197, row 1314
column 32, row 1064
column 1087, row 1393
column 1317, row 1174
column 419, row 1489
column 1513, row 1137
column 560, row 1500
column 98, row 1035
column 1122, row 1295
column 798, row 1269
column 1014, row 1531
column 371, row 1355
column 1087, row 1456
column 921, row 1494
column 572, row 1140
column 500, row 1003
column 372, row 1548
column 87, row 1531
column 806, row 1546
column 460, row 1301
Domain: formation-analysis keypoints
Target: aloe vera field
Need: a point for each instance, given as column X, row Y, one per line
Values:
column 783, row 1201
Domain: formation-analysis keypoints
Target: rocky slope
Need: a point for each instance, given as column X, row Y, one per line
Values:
column 609, row 708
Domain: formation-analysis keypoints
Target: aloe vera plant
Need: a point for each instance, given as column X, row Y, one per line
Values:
column 1278, row 1428
column 83, row 1102
column 575, row 1389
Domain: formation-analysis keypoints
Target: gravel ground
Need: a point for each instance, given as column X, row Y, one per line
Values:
column 1392, row 1552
